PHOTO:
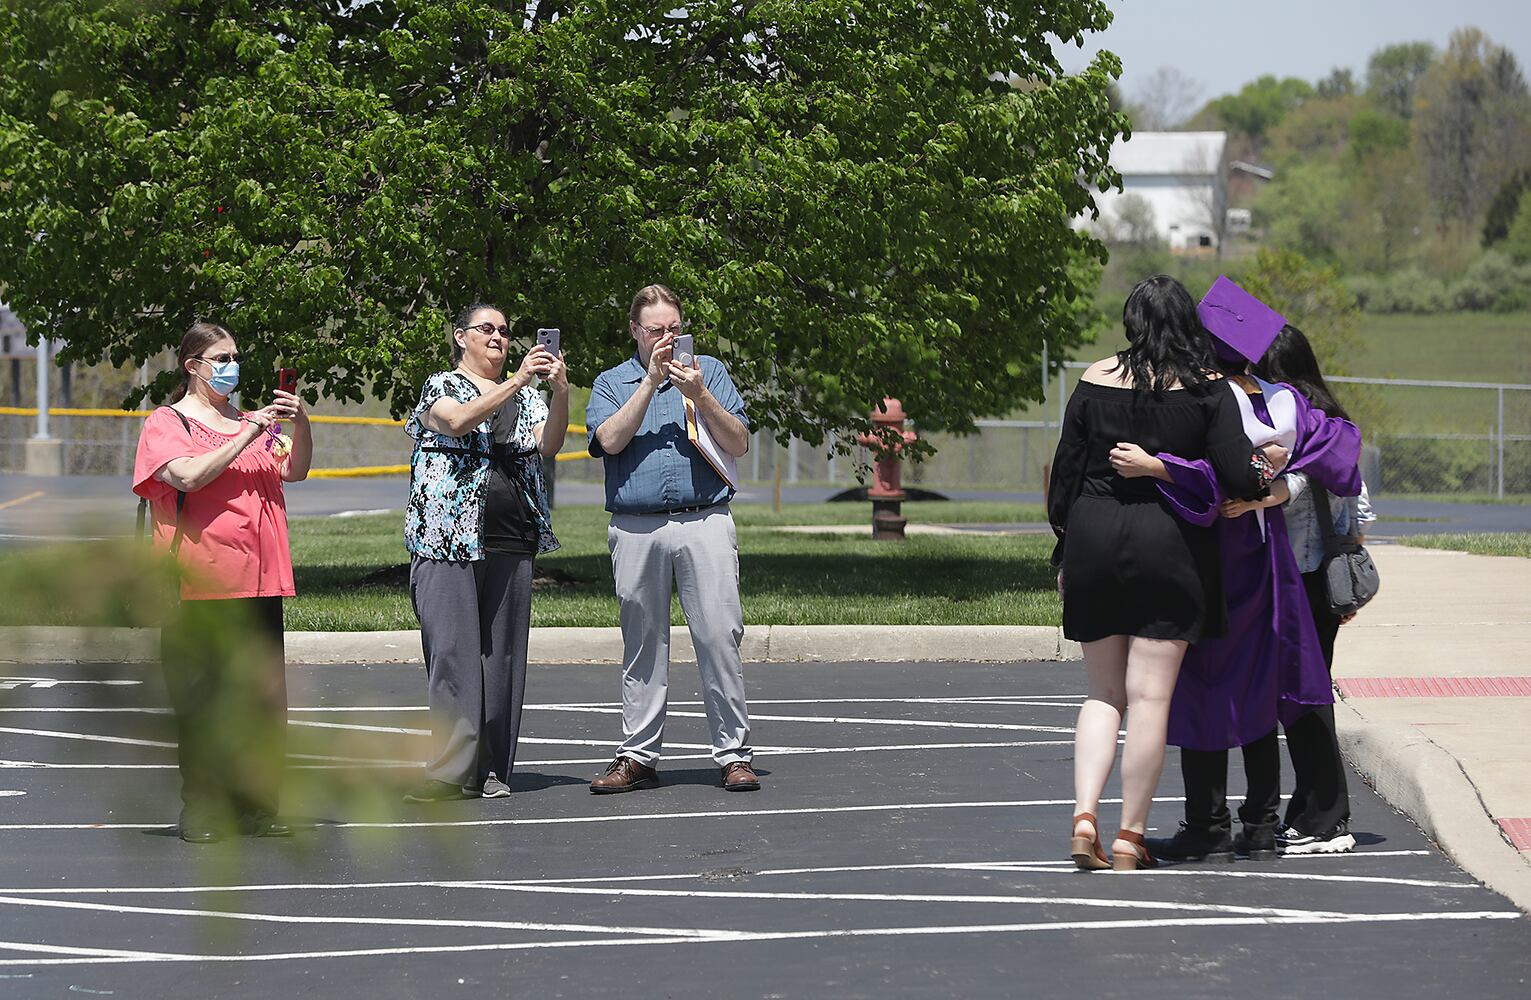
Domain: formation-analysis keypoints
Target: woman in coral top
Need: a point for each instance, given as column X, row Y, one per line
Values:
column 213, row 477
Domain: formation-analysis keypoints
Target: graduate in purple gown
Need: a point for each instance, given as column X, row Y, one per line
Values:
column 1269, row 666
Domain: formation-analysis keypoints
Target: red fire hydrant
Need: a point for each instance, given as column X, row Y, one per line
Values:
column 887, row 489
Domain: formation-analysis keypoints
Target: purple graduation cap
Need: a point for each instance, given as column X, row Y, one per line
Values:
column 1241, row 325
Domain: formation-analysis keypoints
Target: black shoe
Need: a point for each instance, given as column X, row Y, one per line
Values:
column 1336, row 841
column 199, row 834
column 431, row 790
column 263, row 825
column 1257, row 843
column 202, row 825
column 1212, row 847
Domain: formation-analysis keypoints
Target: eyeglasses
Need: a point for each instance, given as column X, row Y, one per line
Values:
column 488, row 328
column 660, row 331
column 221, row 359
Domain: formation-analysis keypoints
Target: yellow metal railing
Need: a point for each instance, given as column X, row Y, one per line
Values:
column 64, row 411
column 354, row 472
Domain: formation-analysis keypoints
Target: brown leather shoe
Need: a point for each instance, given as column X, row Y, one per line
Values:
column 737, row 777
column 625, row 775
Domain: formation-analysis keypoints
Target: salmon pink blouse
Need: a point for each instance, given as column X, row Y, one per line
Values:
column 234, row 529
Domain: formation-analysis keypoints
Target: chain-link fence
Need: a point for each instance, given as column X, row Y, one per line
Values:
column 1468, row 440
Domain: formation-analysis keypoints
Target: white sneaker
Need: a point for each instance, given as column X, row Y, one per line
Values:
column 1293, row 841
column 494, row 788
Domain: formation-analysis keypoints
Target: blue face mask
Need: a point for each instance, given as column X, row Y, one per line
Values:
column 225, row 378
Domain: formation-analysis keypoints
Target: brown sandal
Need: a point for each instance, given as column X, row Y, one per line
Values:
column 1088, row 855
column 1132, row 860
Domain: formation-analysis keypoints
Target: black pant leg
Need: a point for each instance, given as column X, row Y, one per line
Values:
column 192, row 680
column 1262, row 772
column 265, row 682
column 1205, row 773
column 1320, row 794
column 225, row 674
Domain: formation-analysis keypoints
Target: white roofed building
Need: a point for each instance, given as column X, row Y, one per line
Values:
column 1173, row 187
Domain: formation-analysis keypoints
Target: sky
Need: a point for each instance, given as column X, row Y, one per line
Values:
column 1224, row 44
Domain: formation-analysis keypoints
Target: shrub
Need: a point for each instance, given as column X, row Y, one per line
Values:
column 1406, row 291
column 1494, row 283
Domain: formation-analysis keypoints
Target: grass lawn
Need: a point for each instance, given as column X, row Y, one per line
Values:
column 1510, row 544
column 352, row 573
column 1455, row 347
column 785, row 578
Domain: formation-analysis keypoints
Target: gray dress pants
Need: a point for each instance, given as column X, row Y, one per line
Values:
column 474, row 619
column 698, row 553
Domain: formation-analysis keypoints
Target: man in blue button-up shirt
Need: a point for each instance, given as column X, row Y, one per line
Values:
column 670, row 525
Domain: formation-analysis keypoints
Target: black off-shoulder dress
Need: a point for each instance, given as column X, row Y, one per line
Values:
column 1130, row 567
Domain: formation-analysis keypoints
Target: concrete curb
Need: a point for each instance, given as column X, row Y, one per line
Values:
column 762, row 643
column 1426, row 783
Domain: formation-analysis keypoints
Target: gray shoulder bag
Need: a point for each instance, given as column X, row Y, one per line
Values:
column 1350, row 576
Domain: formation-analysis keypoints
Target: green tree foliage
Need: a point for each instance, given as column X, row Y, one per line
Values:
column 849, row 196
column 1312, row 298
column 1370, row 132
column 1303, row 209
column 1317, row 128
column 1393, row 73
column 1472, row 125
column 1384, row 211
column 1517, row 242
column 1260, row 106
column 1502, row 210
column 1340, row 82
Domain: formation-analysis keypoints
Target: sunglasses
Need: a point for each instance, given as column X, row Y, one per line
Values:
column 221, row 359
column 488, row 328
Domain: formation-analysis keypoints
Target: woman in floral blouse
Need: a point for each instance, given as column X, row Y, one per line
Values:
column 477, row 518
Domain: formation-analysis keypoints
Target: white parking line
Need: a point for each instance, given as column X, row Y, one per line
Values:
column 389, row 921
column 834, row 719
column 1004, row 865
column 618, row 817
column 606, row 891
column 803, row 935
column 87, row 737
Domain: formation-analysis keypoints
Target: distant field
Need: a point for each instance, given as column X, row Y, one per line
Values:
column 1455, row 347
column 1458, row 347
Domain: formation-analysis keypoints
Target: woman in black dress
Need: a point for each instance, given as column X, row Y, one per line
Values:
column 1138, row 584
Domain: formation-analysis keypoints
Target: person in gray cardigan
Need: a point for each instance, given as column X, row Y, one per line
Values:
column 1318, row 815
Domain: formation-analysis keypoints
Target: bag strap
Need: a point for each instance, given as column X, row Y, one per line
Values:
column 1321, row 508
column 1334, row 544
column 180, row 499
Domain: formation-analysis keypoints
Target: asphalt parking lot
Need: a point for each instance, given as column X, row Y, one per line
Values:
column 910, row 840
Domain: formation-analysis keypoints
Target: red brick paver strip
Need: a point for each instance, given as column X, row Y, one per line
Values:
column 1435, row 687
column 1518, row 830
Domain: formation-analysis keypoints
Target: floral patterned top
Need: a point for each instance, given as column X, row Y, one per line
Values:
column 449, row 476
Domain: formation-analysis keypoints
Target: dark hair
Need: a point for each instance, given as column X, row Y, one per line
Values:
column 650, row 295
column 1166, row 342
column 461, row 323
column 199, row 337
column 1290, row 359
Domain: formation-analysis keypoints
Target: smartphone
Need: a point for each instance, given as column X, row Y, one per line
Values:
column 683, row 350
column 287, row 379
column 548, row 337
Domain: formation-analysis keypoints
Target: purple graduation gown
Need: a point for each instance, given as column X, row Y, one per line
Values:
column 1269, row 666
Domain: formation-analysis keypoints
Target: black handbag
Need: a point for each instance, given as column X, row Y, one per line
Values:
column 1350, row 576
